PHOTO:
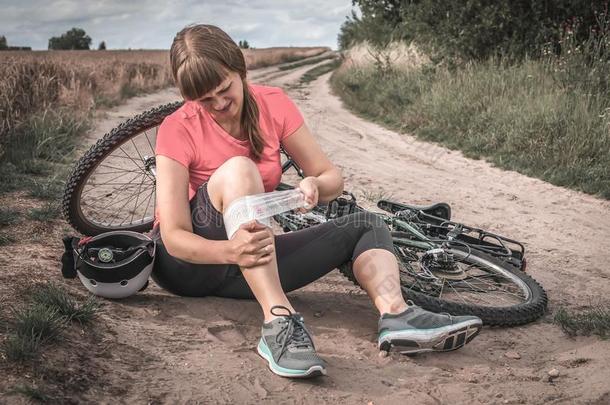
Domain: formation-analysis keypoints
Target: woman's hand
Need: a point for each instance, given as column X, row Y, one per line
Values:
column 309, row 187
column 252, row 245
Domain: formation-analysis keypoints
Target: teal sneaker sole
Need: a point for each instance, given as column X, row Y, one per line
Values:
column 313, row 371
column 444, row 339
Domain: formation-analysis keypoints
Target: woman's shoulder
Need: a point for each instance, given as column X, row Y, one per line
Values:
column 178, row 122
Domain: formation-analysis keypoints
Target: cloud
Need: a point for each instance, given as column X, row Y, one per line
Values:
column 152, row 24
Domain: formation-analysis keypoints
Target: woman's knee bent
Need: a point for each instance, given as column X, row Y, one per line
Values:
column 236, row 177
column 369, row 230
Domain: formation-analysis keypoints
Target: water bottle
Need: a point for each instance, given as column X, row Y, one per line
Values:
column 261, row 207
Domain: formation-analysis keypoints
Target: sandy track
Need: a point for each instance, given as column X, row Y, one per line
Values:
column 168, row 349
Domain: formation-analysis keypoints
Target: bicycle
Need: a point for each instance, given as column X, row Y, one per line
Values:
column 444, row 265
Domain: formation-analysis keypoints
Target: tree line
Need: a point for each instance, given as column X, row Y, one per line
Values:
column 76, row 38
column 477, row 28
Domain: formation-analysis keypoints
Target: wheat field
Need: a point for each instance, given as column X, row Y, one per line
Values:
column 35, row 81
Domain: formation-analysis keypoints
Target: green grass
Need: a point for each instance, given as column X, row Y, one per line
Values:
column 41, row 321
column 53, row 296
column 49, row 136
column 40, row 148
column 102, row 101
column 11, row 179
column 33, row 326
column 314, row 73
column 8, row 216
column 376, row 195
column 595, row 320
column 48, row 212
column 31, row 392
column 536, row 117
column 48, row 188
column 6, row 239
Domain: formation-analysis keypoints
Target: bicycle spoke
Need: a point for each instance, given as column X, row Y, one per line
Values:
column 116, row 212
column 135, row 162
column 123, row 188
column 137, row 197
column 139, row 205
column 97, row 185
column 478, row 285
column 152, row 149
column 119, row 168
column 464, row 301
column 105, row 195
column 152, row 192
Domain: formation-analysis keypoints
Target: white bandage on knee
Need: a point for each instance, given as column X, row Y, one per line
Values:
column 260, row 207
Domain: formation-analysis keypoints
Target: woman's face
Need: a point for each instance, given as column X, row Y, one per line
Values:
column 225, row 102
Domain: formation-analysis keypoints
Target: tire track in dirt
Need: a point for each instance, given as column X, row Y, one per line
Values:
column 566, row 232
column 202, row 350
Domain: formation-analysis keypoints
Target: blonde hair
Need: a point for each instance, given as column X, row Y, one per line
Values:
column 201, row 57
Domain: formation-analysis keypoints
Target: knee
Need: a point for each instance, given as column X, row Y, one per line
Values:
column 239, row 166
column 237, row 170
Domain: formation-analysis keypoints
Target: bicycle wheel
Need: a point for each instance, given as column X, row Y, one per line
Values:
column 477, row 284
column 113, row 185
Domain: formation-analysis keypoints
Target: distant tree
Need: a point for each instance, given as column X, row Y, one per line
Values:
column 3, row 44
column 244, row 44
column 102, row 46
column 76, row 38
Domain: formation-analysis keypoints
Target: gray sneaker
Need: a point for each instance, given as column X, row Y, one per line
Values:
column 417, row 330
column 288, row 348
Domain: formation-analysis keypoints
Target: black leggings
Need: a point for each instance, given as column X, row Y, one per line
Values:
column 302, row 256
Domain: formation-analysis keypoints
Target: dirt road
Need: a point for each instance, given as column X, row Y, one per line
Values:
column 167, row 349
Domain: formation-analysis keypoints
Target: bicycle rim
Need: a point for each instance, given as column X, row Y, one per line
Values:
column 119, row 191
column 478, row 282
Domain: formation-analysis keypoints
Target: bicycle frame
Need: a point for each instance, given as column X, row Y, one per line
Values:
column 409, row 220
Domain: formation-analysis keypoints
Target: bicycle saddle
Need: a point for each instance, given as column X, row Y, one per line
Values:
column 441, row 210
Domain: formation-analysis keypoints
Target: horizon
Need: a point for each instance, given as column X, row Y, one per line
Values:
column 263, row 23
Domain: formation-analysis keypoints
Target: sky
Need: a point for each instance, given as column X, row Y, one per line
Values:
column 152, row 24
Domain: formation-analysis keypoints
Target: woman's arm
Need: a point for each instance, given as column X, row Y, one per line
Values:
column 304, row 149
column 175, row 212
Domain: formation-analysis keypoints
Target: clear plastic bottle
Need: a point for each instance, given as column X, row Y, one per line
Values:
column 261, row 207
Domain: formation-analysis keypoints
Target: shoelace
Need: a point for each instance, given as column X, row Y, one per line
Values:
column 293, row 332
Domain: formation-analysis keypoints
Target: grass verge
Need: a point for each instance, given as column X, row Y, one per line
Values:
column 536, row 117
column 314, row 73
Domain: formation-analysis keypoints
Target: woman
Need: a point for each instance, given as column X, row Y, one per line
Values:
column 223, row 143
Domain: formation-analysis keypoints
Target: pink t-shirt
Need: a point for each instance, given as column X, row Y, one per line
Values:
column 191, row 137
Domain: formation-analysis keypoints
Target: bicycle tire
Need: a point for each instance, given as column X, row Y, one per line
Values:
column 519, row 314
column 71, row 201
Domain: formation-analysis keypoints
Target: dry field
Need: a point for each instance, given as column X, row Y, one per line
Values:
column 399, row 55
column 31, row 82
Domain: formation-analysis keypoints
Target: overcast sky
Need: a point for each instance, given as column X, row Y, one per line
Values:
column 152, row 24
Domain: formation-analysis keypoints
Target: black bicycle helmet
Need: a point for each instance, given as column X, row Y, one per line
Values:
column 113, row 264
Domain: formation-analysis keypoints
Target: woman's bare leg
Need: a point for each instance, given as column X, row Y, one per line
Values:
column 376, row 270
column 235, row 178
